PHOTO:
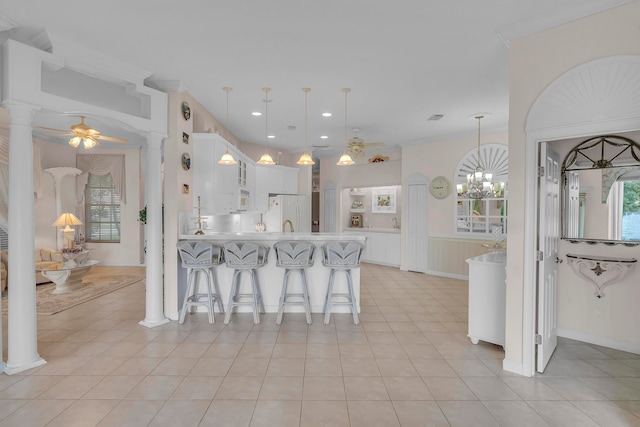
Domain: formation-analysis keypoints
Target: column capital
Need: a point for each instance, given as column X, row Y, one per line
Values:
column 20, row 113
column 154, row 139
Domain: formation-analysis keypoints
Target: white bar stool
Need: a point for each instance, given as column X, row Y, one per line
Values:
column 246, row 257
column 200, row 258
column 294, row 255
column 341, row 256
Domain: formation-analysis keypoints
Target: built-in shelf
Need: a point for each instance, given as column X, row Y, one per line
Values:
column 601, row 271
column 356, row 210
column 357, row 193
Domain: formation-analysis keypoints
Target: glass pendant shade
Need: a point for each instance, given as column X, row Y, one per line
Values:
column 89, row 143
column 74, row 142
column 266, row 160
column 227, row 158
column 345, row 160
column 305, row 159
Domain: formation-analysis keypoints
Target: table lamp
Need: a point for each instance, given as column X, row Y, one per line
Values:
column 65, row 220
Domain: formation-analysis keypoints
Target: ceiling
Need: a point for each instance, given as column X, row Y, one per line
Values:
column 404, row 61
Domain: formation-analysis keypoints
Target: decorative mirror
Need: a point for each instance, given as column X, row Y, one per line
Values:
column 601, row 190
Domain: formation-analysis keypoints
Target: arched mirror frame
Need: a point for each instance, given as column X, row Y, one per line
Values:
column 616, row 155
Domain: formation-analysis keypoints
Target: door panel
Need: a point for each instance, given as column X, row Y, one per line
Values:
column 416, row 254
column 548, row 237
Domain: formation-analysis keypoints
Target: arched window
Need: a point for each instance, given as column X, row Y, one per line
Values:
column 484, row 217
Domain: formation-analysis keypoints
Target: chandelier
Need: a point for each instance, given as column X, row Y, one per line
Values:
column 479, row 185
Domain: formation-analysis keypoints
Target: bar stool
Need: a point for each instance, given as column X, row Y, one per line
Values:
column 200, row 258
column 246, row 257
column 341, row 256
column 294, row 255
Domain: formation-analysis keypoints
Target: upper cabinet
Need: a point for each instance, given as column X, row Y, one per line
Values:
column 222, row 188
column 244, row 186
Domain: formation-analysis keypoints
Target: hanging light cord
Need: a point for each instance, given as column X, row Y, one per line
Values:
column 266, row 118
column 346, row 91
column 306, row 92
column 479, row 118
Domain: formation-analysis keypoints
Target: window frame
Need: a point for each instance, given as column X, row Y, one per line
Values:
column 115, row 208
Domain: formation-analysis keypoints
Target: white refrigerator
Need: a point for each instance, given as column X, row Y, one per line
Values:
column 284, row 208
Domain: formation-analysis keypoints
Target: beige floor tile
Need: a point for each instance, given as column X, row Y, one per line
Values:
column 323, row 388
column 318, row 413
column 419, row 414
column 532, row 389
column 572, row 389
column 84, row 413
column 289, row 351
column 562, row 414
column 359, row 367
column 323, row 368
column 155, row 387
column 515, row 413
column 231, row 413
column 62, row 366
column 114, row 387
column 256, row 350
column 322, row 351
column 211, row 367
column 406, row 388
column 612, row 388
column 356, row 351
column 365, row 388
column 197, row 388
column 36, row 413
column 223, row 350
column 286, row 367
column 388, row 351
column 281, row 388
column 396, row 368
column 270, row 413
column 71, row 387
column 180, row 413
column 421, row 351
column 490, row 388
column 372, row 413
column 608, row 413
column 174, row 366
column 470, row 368
column 30, row 387
column 157, row 349
column 465, row 413
column 138, row 366
column 248, row 368
column 448, row 388
column 434, row 368
column 239, row 388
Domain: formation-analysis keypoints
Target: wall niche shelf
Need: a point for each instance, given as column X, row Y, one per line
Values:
column 354, row 210
column 357, row 193
column 601, row 271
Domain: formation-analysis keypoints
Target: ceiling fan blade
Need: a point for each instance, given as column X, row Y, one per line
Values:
column 374, row 144
column 110, row 138
column 55, row 130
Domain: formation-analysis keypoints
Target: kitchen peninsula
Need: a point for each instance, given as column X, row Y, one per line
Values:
column 270, row 276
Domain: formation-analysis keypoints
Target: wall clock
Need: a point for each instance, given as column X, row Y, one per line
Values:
column 440, row 187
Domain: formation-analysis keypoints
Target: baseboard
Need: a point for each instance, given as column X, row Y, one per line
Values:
column 598, row 340
column 445, row 274
column 511, row 366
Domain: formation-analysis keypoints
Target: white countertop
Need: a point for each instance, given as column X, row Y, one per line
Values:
column 372, row 230
column 266, row 236
column 497, row 257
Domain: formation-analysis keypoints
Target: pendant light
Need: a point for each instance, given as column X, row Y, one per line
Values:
column 345, row 159
column 266, row 157
column 305, row 158
column 479, row 183
column 227, row 158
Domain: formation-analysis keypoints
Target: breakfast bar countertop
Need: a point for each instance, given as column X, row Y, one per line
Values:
column 273, row 236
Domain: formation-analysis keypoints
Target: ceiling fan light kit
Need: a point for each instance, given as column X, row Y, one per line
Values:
column 81, row 133
column 266, row 157
column 227, row 158
column 305, row 159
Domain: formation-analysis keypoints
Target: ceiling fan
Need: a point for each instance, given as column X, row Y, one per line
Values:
column 80, row 132
column 357, row 146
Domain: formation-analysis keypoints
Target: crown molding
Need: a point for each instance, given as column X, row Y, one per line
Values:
column 555, row 17
column 168, row 85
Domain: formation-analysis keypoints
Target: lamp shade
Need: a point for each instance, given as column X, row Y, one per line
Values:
column 345, row 160
column 306, row 159
column 66, row 219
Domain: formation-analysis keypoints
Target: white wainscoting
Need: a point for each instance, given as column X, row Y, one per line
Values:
column 447, row 255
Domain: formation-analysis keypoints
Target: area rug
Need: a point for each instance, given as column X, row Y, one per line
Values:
column 99, row 281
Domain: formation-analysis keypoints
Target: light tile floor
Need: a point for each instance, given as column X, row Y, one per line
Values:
column 408, row 363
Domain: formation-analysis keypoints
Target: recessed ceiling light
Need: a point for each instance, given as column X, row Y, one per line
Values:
column 327, row 114
column 256, row 113
column 435, row 117
column 271, row 136
column 324, row 137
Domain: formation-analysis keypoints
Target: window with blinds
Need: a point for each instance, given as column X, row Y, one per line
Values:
column 102, row 219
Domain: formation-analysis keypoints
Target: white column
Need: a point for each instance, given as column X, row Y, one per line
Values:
column 58, row 174
column 155, row 286
column 22, row 327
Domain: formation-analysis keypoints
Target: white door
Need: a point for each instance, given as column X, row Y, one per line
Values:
column 416, row 255
column 548, row 236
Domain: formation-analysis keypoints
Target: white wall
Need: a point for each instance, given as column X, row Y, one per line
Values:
column 535, row 62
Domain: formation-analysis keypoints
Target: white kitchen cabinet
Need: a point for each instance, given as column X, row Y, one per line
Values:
column 487, row 297
column 273, row 179
column 381, row 247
